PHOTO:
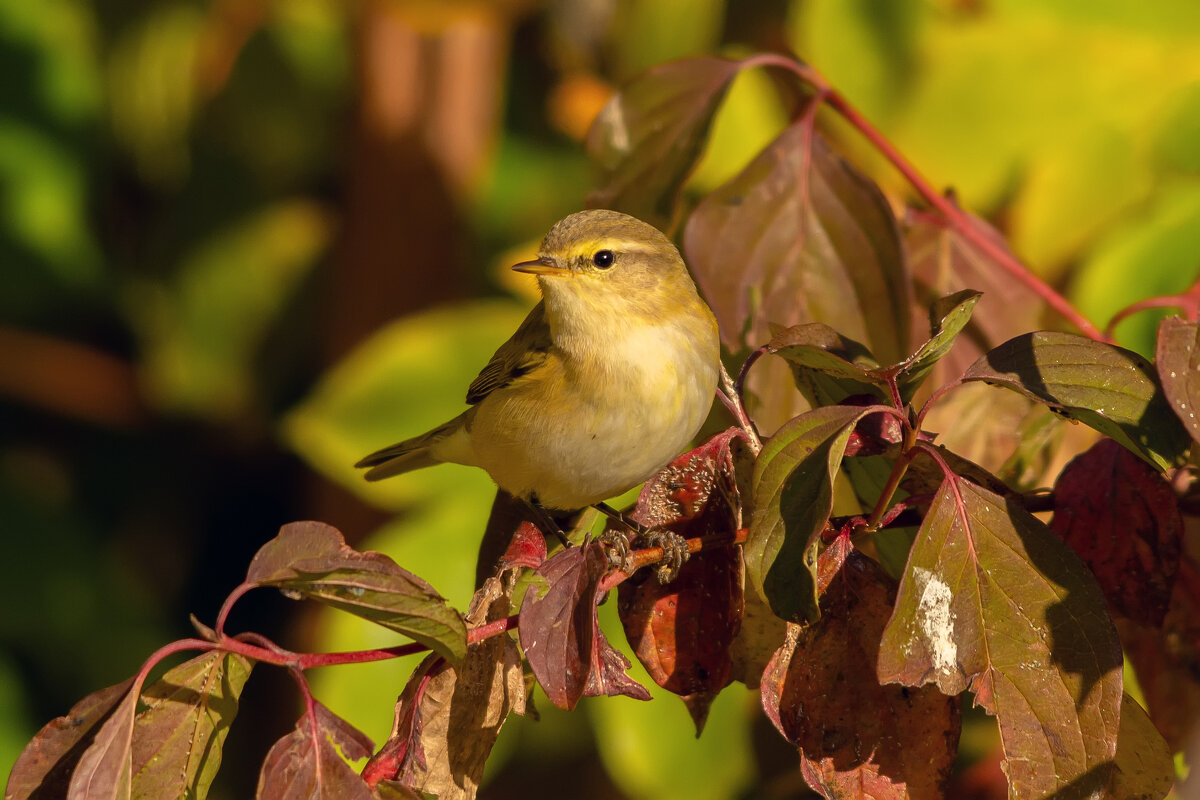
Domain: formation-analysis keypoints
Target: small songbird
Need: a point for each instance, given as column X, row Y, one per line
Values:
column 608, row 378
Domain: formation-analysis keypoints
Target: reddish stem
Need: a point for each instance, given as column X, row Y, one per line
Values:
column 652, row 555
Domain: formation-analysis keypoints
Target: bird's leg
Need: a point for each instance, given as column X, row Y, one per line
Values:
column 675, row 553
column 544, row 520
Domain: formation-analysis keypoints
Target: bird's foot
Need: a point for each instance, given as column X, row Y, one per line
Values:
column 617, row 548
column 675, row 553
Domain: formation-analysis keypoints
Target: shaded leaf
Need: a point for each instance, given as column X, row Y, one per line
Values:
column 1145, row 767
column 177, row 739
column 947, row 317
column 1165, row 661
column 993, row 602
column 561, row 637
column 305, row 764
column 793, row 497
column 801, row 236
column 828, row 366
column 1107, row 388
column 404, row 751
column 648, row 138
column 104, row 770
column 1122, row 518
column 856, row 737
column 45, row 765
column 1178, row 358
column 311, row 559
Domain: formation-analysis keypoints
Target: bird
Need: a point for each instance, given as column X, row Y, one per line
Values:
column 609, row 377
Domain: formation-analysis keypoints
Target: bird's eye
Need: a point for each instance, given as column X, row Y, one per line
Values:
column 604, row 259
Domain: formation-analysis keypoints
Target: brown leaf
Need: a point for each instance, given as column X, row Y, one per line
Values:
column 305, row 764
column 561, row 637
column 648, row 138
column 994, row 602
column 311, row 559
column 177, row 739
column 460, row 712
column 45, row 765
column 1145, row 767
column 811, row 237
column 1178, row 358
column 856, row 737
column 1167, row 661
column 943, row 262
column 1121, row 517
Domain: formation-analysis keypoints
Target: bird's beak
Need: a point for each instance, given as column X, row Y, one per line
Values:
column 541, row 266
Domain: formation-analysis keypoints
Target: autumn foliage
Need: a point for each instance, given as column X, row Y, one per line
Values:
column 898, row 580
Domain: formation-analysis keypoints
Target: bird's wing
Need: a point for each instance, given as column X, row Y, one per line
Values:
column 524, row 351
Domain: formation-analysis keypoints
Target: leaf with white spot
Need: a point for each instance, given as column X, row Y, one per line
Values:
column 992, row 601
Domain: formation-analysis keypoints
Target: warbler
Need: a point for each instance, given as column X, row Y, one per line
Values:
column 607, row 379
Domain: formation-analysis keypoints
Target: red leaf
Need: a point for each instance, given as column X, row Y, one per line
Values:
column 104, row 770
column 305, row 765
column 1178, row 359
column 1121, row 516
column 857, row 738
column 561, row 637
column 311, row 559
column 526, row 549
column 45, row 765
column 811, row 237
column 993, row 601
column 683, row 488
column 682, row 631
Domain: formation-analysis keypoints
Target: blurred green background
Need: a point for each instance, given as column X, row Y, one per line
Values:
column 244, row 242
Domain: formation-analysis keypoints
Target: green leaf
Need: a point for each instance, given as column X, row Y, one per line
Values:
column 311, row 559
column 648, row 138
column 947, row 317
column 812, row 238
column 992, row 601
column 828, row 367
column 1107, row 388
column 793, row 497
column 1178, row 360
column 1144, row 764
column 177, row 740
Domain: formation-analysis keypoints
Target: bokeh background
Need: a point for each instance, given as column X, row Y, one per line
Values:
column 244, row 242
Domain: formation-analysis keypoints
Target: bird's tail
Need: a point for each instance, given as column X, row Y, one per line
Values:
column 407, row 455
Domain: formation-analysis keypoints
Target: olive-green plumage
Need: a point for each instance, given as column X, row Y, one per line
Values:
column 606, row 380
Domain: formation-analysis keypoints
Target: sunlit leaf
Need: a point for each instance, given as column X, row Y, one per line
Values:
column 311, row 559
column 793, row 497
column 855, row 736
column 306, row 765
column 648, row 138
column 809, row 237
column 992, row 601
column 1122, row 518
column 947, row 317
column 46, row 763
column 1178, row 360
column 1107, row 388
column 177, row 739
